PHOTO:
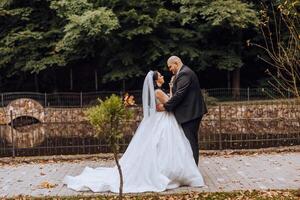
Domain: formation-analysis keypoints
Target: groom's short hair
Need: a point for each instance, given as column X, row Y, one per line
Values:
column 173, row 59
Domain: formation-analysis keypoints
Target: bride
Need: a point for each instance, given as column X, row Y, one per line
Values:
column 159, row 156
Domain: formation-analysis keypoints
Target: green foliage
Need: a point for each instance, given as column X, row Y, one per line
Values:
column 120, row 74
column 221, row 32
column 28, row 37
column 123, row 39
column 107, row 117
column 190, row 10
column 229, row 62
column 67, row 8
column 18, row 13
column 231, row 13
column 91, row 26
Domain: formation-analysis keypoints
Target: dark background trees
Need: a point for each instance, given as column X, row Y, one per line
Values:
column 88, row 45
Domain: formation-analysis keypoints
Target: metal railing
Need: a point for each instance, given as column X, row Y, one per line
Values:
column 61, row 99
column 247, row 94
column 23, row 134
column 227, row 126
column 84, row 99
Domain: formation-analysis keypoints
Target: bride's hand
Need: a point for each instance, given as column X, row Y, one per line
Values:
column 172, row 80
column 171, row 86
column 160, row 107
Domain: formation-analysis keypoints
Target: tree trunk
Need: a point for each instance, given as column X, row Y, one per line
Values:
column 55, row 81
column 1, row 85
column 96, row 80
column 228, row 80
column 236, row 83
column 120, row 173
column 236, row 71
column 123, row 86
column 20, row 82
column 36, row 83
column 71, row 79
column 115, row 150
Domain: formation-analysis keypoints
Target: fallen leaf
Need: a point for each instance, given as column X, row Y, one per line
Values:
column 47, row 185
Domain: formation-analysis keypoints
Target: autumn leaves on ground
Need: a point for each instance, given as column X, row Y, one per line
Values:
column 241, row 195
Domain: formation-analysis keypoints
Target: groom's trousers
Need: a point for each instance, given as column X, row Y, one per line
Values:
column 190, row 129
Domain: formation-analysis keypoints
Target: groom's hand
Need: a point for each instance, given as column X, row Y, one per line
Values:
column 160, row 107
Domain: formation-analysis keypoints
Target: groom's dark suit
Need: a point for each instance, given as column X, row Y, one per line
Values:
column 188, row 105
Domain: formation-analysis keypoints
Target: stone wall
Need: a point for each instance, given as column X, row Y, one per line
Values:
column 260, row 118
column 32, row 108
column 273, row 117
column 3, row 117
column 64, row 115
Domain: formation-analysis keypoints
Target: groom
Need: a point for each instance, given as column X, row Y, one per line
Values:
column 187, row 101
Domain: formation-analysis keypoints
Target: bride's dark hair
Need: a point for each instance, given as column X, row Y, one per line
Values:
column 155, row 77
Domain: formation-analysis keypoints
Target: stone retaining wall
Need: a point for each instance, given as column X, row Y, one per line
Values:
column 277, row 117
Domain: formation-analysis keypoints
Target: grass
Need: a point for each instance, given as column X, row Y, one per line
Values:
column 241, row 195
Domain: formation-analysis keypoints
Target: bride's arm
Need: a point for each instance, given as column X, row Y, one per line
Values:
column 161, row 96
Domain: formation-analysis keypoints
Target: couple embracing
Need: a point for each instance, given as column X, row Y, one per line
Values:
column 163, row 153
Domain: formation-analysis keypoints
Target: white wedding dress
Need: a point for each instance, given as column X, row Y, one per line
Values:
column 159, row 157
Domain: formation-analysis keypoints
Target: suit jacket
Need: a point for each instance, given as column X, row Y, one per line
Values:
column 187, row 101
